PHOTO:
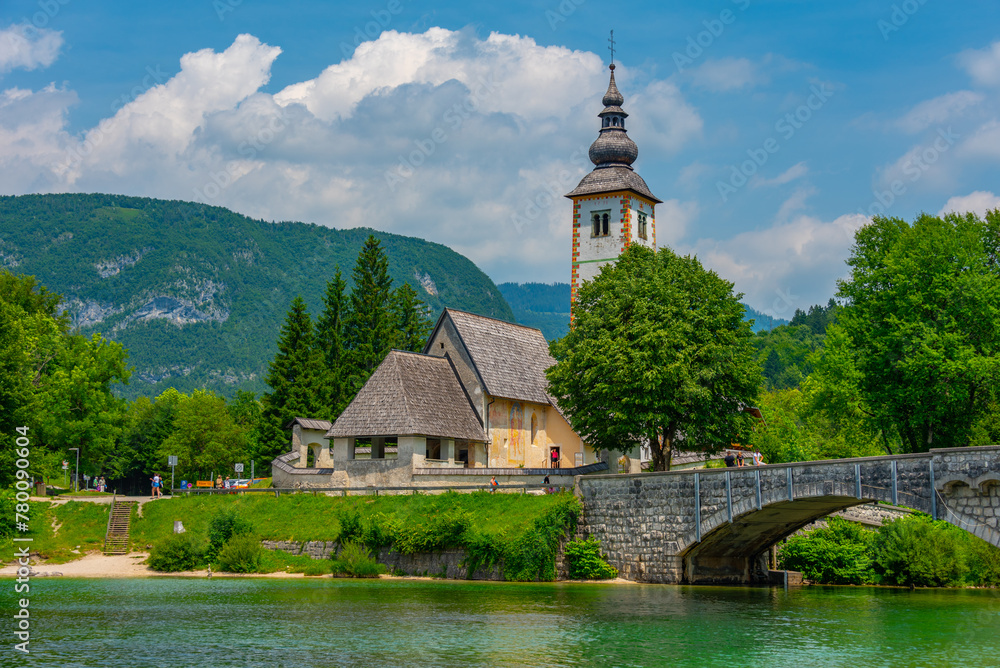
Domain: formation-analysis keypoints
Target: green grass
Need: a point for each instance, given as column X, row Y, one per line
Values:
column 305, row 517
column 81, row 523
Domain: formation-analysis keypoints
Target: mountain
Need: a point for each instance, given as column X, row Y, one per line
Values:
column 546, row 306
column 198, row 293
column 541, row 305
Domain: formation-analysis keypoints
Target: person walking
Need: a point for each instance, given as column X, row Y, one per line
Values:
column 493, row 484
column 156, row 486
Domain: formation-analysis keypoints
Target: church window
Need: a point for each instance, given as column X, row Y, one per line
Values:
column 534, row 427
column 615, row 121
column 601, row 220
column 642, row 225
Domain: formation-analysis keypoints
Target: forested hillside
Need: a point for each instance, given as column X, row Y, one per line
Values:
column 197, row 293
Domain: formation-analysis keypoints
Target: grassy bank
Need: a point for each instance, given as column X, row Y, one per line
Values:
column 519, row 532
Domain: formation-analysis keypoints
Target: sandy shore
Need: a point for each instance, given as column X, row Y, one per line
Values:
column 97, row 565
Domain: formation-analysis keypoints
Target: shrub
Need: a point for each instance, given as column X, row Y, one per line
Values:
column 241, row 554
column 918, row 552
column 177, row 552
column 224, row 525
column 839, row 554
column 317, row 567
column 585, row 561
column 356, row 561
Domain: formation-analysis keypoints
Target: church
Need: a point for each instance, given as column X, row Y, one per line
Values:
column 474, row 403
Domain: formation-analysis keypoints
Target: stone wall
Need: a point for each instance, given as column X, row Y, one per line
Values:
column 447, row 563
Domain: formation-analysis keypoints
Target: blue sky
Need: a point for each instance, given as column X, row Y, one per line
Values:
column 771, row 130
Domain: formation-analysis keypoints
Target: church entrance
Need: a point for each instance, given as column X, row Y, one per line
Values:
column 554, row 457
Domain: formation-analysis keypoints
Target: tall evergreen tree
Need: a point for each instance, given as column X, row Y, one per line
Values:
column 412, row 324
column 295, row 379
column 330, row 342
column 369, row 328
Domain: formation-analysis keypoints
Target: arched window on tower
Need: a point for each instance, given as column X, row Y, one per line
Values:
column 600, row 222
column 615, row 121
column 604, row 225
column 607, row 122
column 597, row 225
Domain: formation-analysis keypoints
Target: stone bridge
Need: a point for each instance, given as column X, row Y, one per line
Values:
column 716, row 525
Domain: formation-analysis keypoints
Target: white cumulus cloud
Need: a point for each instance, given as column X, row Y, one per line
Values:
column 978, row 202
column 787, row 266
column 983, row 65
column 27, row 47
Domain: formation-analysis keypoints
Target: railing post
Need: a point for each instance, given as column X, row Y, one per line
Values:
column 697, row 508
column 895, row 485
column 729, row 496
column 757, row 472
column 857, row 480
column 933, row 491
column 791, row 494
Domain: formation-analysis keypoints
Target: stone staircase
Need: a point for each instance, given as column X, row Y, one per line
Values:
column 116, row 538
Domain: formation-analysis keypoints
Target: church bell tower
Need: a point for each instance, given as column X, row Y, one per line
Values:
column 612, row 206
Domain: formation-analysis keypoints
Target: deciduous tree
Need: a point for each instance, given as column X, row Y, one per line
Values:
column 658, row 352
column 923, row 317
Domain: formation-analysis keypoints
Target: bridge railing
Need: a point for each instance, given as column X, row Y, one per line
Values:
column 522, row 488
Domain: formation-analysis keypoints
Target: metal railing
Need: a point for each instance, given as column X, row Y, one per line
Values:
column 522, row 488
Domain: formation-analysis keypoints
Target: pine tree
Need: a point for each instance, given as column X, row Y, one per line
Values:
column 369, row 327
column 412, row 324
column 330, row 343
column 295, row 380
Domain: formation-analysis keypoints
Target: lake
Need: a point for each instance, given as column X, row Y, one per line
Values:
column 165, row 622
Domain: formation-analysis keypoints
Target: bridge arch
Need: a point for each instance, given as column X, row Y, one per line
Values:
column 714, row 525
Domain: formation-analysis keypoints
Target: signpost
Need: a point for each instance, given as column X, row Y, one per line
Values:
column 251, row 472
column 172, row 463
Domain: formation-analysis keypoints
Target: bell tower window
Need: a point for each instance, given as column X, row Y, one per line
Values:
column 642, row 225
column 601, row 221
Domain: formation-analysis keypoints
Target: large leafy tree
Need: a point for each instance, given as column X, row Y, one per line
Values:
column 923, row 318
column 55, row 383
column 369, row 329
column 205, row 438
column 295, row 379
column 658, row 352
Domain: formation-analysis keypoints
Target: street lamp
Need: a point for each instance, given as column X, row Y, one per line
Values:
column 77, row 468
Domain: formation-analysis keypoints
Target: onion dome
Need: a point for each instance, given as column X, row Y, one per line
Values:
column 613, row 147
column 613, row 152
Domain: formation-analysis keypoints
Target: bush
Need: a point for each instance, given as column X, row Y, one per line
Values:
column 224, row 525
column 177, row 552
column 356, row 561
column 586, row 562
column 918, row 552
column 317, row 567
column 839, row 554
column 241, row 554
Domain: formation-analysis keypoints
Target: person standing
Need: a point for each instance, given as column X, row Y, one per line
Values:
column 554, row 454
column 493, row 484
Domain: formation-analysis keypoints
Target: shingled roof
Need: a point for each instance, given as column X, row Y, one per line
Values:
column 410, row 394
column 511, row 359
column 308, row 423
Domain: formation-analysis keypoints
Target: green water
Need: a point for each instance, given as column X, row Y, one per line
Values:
column 309, row 622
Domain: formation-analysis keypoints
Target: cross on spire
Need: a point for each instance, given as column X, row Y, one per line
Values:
column 612, row 47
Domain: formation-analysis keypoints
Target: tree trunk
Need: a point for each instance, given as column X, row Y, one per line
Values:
column 656, row 450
